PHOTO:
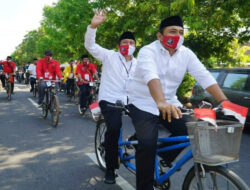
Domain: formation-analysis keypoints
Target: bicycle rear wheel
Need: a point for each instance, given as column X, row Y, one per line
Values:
column 99, row 144
column 54, row 110
column 216, row 178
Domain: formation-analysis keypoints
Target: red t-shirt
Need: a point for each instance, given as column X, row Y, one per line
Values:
column 48, row 70
column 86, row 72
column 8, row 67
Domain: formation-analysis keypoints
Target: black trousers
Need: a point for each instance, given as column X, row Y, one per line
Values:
column 70, row 86
column 2, row 78
column 32, row 82
column 113, row 119
column 41, row 91
column 146, row 127
column 12, row 87
column 84, row 95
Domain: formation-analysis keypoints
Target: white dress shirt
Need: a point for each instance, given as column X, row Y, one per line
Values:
column 155, row 62
column 32, row 68
column 115, row 70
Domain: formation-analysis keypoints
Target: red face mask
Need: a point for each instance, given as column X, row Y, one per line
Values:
column 85, row 63
column 48, row 58
column 126, row 49
column 173, row 42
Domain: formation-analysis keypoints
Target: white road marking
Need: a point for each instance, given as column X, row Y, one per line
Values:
column 119, row 180
column 34, row 103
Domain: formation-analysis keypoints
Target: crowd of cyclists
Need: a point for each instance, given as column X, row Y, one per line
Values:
column 38, row 72
column 147, row 85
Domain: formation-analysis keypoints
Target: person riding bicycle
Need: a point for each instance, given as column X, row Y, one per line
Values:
column 46, row 69
column 152, row 99
column 2, row 76
column 117, row 67
column 27, row 74
column 9, row 67
column 69, row 74
column 85, row 72
column 32, row 72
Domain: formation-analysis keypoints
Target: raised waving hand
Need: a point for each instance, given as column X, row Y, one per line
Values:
column 99, row 18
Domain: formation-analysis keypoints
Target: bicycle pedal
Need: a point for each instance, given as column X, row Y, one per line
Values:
column 125, row 155
column 167, row 165
column 129, row 147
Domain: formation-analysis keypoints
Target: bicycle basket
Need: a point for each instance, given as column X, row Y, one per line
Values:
column 212, row 147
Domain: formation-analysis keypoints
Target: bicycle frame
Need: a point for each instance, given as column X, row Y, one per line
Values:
column 159, row 178
column 49, row 92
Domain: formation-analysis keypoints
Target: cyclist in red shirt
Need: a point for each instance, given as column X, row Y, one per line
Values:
column 85, row 71
column 46, row 69
column 9, row 68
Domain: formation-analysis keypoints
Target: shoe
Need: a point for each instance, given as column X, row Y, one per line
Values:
column 40, row 105
column 31, row 90
column 83, row 110
column 109, row 177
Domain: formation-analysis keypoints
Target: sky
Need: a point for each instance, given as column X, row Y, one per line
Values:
column 17, row 18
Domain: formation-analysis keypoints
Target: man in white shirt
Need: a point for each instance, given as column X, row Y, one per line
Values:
column 152, row 94
column 117, row 67
column 32, row 72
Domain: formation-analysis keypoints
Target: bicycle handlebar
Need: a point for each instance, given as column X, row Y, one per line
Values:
column 51, row 80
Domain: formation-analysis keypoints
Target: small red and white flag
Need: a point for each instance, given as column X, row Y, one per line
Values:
column 239, row 112
column 206, row 115
column 94, row 108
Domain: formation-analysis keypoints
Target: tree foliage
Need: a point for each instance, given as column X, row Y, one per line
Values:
column 215, row 29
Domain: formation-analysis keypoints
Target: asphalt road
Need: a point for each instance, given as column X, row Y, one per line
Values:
column 36, row 156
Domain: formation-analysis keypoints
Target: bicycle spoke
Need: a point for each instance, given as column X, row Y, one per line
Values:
column 213, row 177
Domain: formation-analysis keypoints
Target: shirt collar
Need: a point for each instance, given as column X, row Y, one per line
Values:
column 164, row 50
column 123, row 58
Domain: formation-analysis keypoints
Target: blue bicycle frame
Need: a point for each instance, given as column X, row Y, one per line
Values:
column 184, row 142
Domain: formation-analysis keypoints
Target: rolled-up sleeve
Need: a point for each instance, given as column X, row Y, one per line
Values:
column 94, row 49
column 146, row 66
column 199, row 72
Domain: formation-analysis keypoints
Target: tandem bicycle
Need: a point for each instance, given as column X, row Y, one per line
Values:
column 208, row 171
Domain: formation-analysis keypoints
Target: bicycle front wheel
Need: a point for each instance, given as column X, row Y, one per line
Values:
column 54, row 110
column 44, row 110
column 8, row 89
column 216, row 178
column 77, row 95
column 34, row 92
column 99, row 144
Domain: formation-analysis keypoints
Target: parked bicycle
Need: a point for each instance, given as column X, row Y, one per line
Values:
column 93, row 95
column 51, row 102
column 208, row 174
